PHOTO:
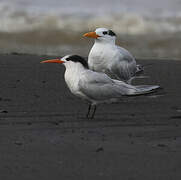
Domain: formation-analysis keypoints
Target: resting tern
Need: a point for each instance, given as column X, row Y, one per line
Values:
column 95, row 87
column 105, row 56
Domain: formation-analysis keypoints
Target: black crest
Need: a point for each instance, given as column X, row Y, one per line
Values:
column 76, row 58
column 111, row 33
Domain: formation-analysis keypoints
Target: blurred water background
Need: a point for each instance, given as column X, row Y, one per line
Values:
column 149, row 29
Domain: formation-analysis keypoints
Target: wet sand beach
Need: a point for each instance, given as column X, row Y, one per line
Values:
column 44, row 133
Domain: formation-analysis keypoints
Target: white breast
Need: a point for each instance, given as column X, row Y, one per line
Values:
column 100, row 57
column 72, row 76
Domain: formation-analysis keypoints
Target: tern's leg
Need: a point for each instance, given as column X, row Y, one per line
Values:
column 88, row 112
column 95, row 107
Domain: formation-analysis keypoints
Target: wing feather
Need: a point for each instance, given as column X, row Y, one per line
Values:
column 125, row 67
column 99, row 86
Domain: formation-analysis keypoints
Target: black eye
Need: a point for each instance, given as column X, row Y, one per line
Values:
column 111, row 33
column 105, row 32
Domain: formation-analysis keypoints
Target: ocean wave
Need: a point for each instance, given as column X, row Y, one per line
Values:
column 48, row 30
column 123, row 23
column 18, row 20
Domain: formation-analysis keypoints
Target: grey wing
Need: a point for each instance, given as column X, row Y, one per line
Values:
column 98, row 86
column 125, row 67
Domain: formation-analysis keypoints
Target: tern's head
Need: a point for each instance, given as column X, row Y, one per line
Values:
column 102, row 34
column 69, row 61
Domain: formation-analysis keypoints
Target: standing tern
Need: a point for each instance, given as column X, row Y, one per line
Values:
column 105, row 56
column 95, row 87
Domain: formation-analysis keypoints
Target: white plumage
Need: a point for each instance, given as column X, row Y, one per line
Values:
column 106, row 56
column 96, row 87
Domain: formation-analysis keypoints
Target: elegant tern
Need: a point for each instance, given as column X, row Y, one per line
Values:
column 95, row 87
column 105, row 56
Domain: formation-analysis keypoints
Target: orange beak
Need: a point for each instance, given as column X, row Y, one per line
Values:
column 91, row 35
column 53, row 61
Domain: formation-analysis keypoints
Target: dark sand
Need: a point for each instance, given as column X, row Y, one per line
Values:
column 44, row 133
